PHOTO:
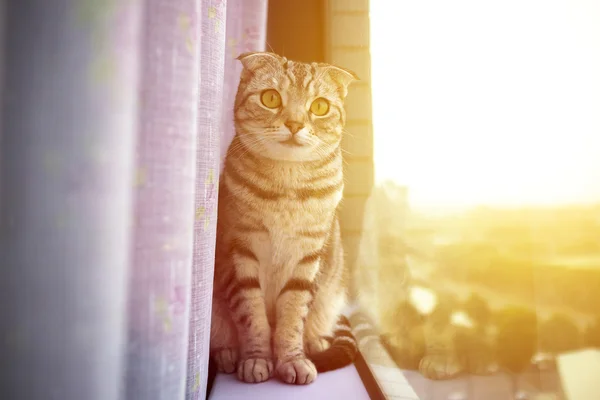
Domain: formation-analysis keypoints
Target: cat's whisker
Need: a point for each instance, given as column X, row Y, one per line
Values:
column 237, row 146
column 347, row 152
column 270, row 47
column 348, row 133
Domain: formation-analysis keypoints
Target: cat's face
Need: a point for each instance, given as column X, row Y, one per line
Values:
column 290, row 111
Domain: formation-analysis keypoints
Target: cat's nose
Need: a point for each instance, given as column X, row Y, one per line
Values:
column 294, row 126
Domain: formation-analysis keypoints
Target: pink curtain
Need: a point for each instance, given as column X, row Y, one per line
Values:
column 160, row 282
column 211, row 48
column 115, row 117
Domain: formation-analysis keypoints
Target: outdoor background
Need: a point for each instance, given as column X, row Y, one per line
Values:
column 486, row 119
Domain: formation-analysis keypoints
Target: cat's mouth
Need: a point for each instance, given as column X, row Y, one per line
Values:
column 291, row 142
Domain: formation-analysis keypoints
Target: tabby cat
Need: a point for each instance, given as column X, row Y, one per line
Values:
column 280, row 281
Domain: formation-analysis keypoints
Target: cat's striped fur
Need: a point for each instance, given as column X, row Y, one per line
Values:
column 280, row 281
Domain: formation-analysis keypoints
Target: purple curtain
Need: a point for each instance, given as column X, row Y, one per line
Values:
column 211, row 46
column 114, row 121
column 159, row 289
column 69, row 116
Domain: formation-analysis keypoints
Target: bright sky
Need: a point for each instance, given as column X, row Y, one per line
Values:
column 487, row 102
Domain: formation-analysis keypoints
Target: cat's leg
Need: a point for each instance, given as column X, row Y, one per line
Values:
column 247, row 306
column 321, row 321
column 223, row 338
column 292, row 307
column 329, row 298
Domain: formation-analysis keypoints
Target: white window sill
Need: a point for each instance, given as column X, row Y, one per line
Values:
column 344, row 383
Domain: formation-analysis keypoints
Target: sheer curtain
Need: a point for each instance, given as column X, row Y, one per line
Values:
column 114, row 119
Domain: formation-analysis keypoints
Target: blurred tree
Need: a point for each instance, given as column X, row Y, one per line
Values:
column 559, row 334
column 478, row 310
column 517, row 340
column 592, row 335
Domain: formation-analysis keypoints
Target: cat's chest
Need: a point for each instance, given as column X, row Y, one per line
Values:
column 285, row 223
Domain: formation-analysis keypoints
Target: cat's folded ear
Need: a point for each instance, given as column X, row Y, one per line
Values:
column 255, row 60
column 342, row 76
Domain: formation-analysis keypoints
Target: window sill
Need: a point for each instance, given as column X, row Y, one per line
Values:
column 373, row 376
column 345, row 383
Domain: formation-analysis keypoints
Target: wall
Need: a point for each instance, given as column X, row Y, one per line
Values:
column 347, row 44
column 296, row 29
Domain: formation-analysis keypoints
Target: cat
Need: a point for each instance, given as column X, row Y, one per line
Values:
column 280, row 279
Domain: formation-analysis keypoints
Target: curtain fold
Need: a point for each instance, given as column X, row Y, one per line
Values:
column 210, row 85
column 69, row 112
column 114, row 121
column 159, row 289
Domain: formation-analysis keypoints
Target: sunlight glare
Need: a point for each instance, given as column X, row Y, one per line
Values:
column 424, row 300
column 495, row 103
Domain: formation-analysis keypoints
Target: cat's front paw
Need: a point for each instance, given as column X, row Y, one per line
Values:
column 255, row 370
column 300, row 371
column 226, row 359
column 439, row 366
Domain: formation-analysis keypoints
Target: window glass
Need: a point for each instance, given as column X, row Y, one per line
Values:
column 481, row 244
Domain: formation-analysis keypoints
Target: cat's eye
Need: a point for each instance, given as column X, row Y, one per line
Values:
column 319, row 107
column 270, row 98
